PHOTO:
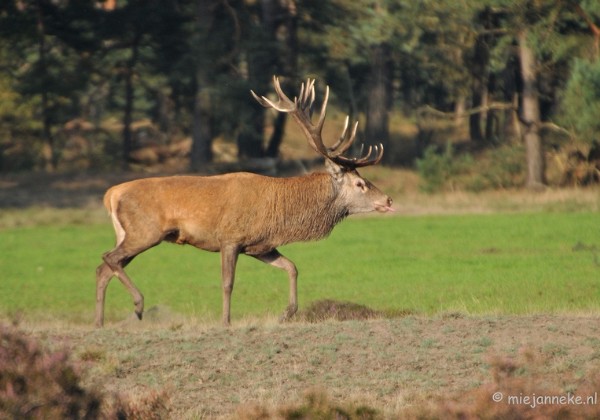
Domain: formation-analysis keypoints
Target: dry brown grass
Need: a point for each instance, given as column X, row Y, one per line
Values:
column 520, row 388
column 315, row 404
column 36, row 383
column 432, row 367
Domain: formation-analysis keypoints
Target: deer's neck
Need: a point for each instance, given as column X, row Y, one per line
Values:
column 307, row 208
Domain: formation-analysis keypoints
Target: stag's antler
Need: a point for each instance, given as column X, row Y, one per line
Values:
column 300, row 109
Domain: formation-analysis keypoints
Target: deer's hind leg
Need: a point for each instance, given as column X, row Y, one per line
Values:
column 117, row 260
column 103, row 275
column 275, row 259
column 128, row 247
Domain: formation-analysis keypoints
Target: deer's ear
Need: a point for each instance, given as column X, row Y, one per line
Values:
column 336, row 171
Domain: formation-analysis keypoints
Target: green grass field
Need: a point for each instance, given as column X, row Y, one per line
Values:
column 477, row 264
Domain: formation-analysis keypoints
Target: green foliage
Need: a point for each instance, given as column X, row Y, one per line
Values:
column 439, row 171
column 16, row 113
column 500, row 167
column 67, row 60
column 18, row 125
column 581, row 101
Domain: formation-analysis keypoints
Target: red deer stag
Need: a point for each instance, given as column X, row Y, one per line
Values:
column 241, row 213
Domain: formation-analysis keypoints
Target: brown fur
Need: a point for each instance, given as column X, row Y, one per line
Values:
column 232, row 213
column 239, row 213
column 208, row 212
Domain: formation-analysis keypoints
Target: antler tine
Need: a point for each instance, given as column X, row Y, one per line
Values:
column 300, row 109
column 284, row 104
column 307, row 94
column 365, row 161
column 312, row 93
column 366, row 156
column 346, row 139
column 362, row 161
column 261, row 100
column 278, row 90
column 290, row 105
column 345, row 142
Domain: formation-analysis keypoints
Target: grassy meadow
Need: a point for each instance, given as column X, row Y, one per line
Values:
column 499, row 291
column 504, row 263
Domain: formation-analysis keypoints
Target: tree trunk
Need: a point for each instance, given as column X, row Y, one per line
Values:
column 129, row 98
column 202, row 132
column 480, row 64
column 250, row 138
column 491, row 119
column 512, row 87
column 593, row 28
column 531, row 115
column 459, row 110
column 262, row 55
column 277, row 136
column 379, row 96
column 478, row 86
column 289, row 65
column 201, row 153
column 48, row 153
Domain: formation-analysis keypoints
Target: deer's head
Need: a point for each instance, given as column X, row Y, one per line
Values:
column 358, row 193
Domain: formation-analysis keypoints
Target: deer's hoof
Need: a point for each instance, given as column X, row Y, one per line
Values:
column 289, row 313
column 139, row 307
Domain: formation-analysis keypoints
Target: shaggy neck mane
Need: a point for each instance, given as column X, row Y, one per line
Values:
column 306, row 208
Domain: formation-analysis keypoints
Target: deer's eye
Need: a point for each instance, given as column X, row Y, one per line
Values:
column 360, row 184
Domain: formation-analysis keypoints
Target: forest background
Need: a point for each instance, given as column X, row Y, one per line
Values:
column 104, row 85
column 472, row 95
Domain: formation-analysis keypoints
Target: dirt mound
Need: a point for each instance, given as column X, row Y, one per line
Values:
column 326, row 309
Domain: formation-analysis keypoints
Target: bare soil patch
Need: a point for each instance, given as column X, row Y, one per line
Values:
column 392, row 365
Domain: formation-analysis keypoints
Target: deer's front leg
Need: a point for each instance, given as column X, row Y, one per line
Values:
column 229, row 257
column 275, row 259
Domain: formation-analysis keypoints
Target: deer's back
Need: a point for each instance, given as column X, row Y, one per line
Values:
column 257, row 213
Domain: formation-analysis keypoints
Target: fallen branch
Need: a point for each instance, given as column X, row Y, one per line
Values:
column 558, row 128
column 494, row 106
column 477, row 110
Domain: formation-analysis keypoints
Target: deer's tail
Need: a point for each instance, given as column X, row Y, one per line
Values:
column 111, row 202
column 112, row 198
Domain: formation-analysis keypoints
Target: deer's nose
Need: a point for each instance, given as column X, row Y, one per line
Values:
column 390, row 201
